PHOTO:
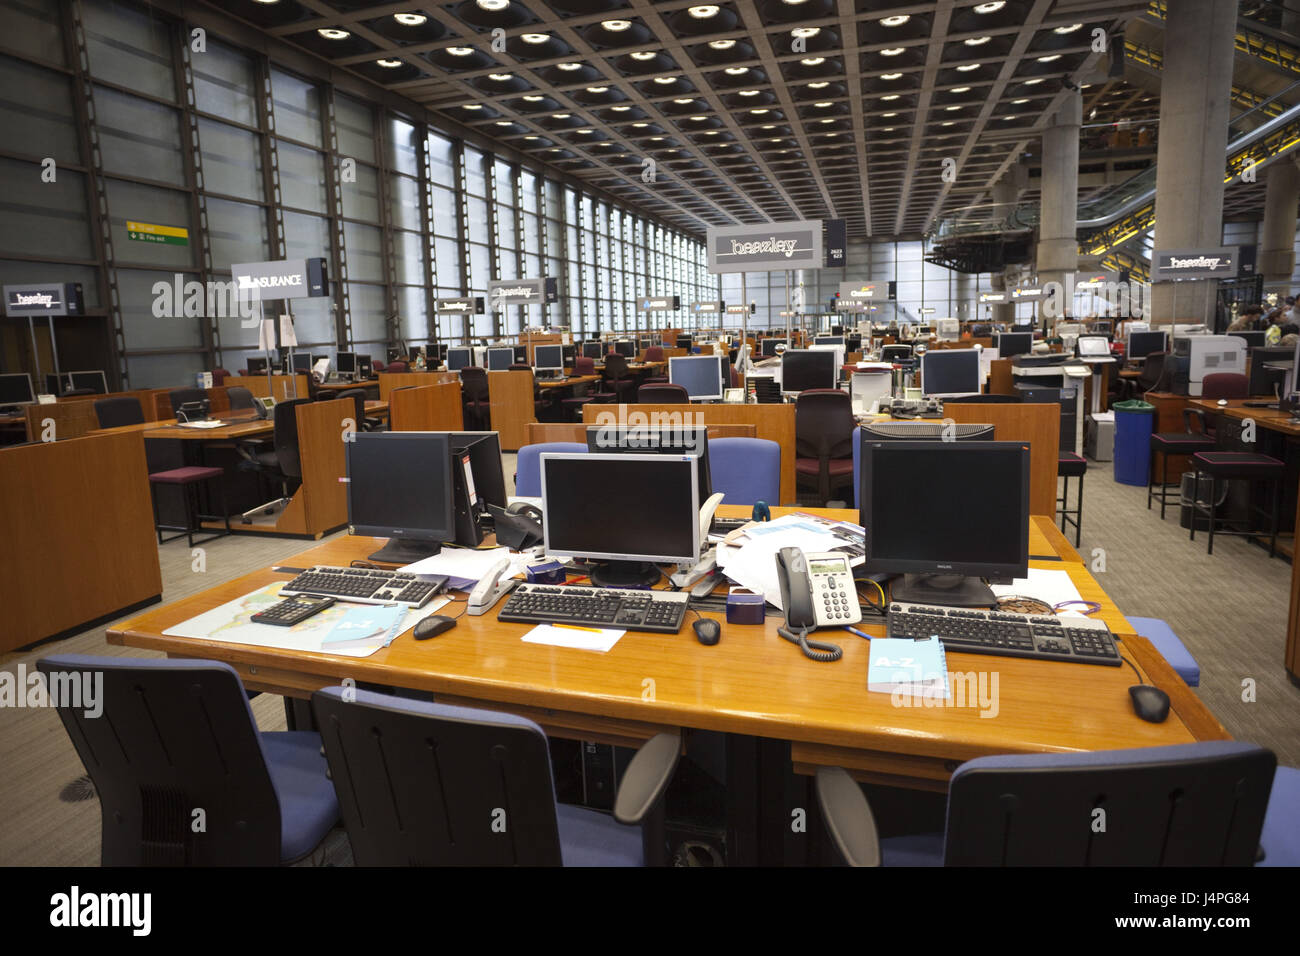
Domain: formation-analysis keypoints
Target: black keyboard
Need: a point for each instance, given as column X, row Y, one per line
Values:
column 658, row 611
column 727, row 525
column 1082, row 640
column 366, row 586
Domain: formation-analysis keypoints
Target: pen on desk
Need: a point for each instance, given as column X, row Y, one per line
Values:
column 854, row 630
column 574, row 627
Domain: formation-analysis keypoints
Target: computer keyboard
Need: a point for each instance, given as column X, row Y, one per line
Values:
column 1082, row 640
column 915, row 409
column 658, row 611
column 727, row 525
column 365, row 586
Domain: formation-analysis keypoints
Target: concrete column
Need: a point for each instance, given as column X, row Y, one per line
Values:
column 1277, row 235
column 1058, row 245
column 962, row 304
column 1195, row 92
column 1006, row 191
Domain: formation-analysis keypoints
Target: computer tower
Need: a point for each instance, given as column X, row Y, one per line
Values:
column 1067, row 397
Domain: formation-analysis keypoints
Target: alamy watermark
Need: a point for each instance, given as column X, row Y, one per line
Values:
column 182, row 299
column 75, row 690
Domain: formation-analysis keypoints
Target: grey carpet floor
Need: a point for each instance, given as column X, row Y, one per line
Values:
column 1229, row 608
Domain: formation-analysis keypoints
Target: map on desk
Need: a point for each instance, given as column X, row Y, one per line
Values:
column 352, row 630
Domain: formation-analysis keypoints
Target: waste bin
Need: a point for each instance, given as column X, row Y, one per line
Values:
column 1192, row 491
column 1134, row 421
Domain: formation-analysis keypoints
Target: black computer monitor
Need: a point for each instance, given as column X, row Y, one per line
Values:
column 95, row 381
column 945, row 551
column 625, row 348
column 1011, row 344
column 400, row 487
column 394, row 354
column 459, row 357
column 345, row 363
column 548, row 358
column 829, row 340
column 521, row 354
column 365, row 367
column 478, row 480
column 415, row 352
column 593, row 350
column 302, row 361
column 701, row 375
column 804, row 369
column 499, row 359
column 1254, row 340
column 655, row 440
column 256, row 366
column 1142, row 344
column 16, row 389
column 1101, row 327
column 951, row 372
column 1268, row 382
column 896, row 353
column 685, row 341
column 769, row 345
column 632, row 511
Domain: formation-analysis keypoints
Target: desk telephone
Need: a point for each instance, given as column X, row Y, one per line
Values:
column 817, row 590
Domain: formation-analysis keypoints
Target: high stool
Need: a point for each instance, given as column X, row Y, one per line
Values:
column 1069, row 465
column 1164, row 444
column 1244, row 466
column 189, row 478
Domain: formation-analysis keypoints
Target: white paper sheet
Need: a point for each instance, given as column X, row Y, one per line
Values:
column 1052, row 587
column 583, row 639
column 463, row 565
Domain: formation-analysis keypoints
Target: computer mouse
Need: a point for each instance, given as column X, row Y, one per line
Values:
column 1149, row 703
column 707, row 631
column 433, row 625
column 1223, row 402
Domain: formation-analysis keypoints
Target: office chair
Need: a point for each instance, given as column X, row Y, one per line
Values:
column 474, row 397
column 1151, row 377
column 617, row 383
column 180, row 396
column 665, row 394
column 176, row 735
column 655, row 353
column 378, row 366
column 219, row 376
column 358, row 397
column 1201, row 804
column 425, row 784
column 122, row 410
column 282, row 463
column 240, row 398
column 746, row 470
column 1225, row 385
column 528, row 469
column 823, row 432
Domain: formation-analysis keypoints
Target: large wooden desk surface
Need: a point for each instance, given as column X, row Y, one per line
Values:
column 753, row 682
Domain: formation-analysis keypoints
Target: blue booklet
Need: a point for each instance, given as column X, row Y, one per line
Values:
column 917, row 668
column 367, row 623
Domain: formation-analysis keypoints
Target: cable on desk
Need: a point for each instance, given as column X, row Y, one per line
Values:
column 881, row 609
column 813, row 650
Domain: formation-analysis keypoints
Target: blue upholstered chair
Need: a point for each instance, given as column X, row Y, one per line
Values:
column 177, row 736
column 746, row 470
column 1043, row 810
column 528, row 470
column 421, row 783
column 1163, row 639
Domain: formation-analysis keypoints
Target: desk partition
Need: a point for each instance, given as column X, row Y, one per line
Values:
column 1039, row 425
column 426, row 408
column 392, row 380
column 510, row 395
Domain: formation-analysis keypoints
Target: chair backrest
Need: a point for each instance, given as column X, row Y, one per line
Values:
column 528, row 470
column 424, row 784
column 474, row 383
column 615, row 366
column 582, row 365
column 1187, row 805
column 174, row 735
column 286, row 436
column 1225, row 385
column 378, row 366
column 179, row 396
column 396, row 367
column 654, row 353
column 358, row 397
column 1153, row 370
column 663, row 394
column 219, row 376
column 240, row 397
column 120, row 410
column 746, row 470
column 823, row 423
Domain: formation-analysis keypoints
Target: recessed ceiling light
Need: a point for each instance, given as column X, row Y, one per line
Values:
column 640, row 125
column 330, row 33
column 598, row 89
column 492, row 6
column 736, row 70
column 1019, row 102
column 832, row 133
column 473, row 106
column 892, row 51
column 960, row 89
column 665, row 80
column 828, row 121
column 758, row 112
column 992, row 7
column 534, row 38
column 722, row 44
column 823, row 104
column 977, row 41
column 749, row 92
column 946, row 123
column 569, row 66
column 698, row 119
column 554, row 149
column 504, row 123
column 1049, row 58
column 560, row 115
column 460, row 50
column 584, row 132
column 499, row 77
column 534, row 98
column 813, row 60
column 888, row 129
column 896, row 21
column 656, row 139
column 951, row 108
column 793, row 3
column 616, row 26
column 805, row 32
column 532, row 136
column 891, row 96
column 1008, row 118
column 967, row 67
column 888, row 115
column 683, row 100
column 410, row 19
column 1034, row 82
column 1070, row 29
column 644, row 55
column 710, row 132
column 390, row 64
column 620, row 109
column 703, row 12
column 891, row 76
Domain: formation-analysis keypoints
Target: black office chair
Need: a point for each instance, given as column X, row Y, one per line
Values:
column 282, row 463
column 475, row 398
column 358, row 397
column 823, row 436
column 118, row 411
column 1150, row 379
column 240, row 398
column 183, row 396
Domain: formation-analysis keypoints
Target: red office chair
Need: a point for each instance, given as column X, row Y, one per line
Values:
column 395, row 367
column 655, row 353
column 378, row 366
column 823, row 435
column 1225, row 385
column 618, row 382
column 572, row 404
column 219, row 376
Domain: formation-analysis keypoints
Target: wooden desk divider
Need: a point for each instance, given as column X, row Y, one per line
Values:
column 320, row 504
column 510, row 395
column 391, row 380
column 1039, row 425
column 1001, row 381
column 426, row 408
column 281, row 385
column 79, row 525
column 773, row 422
column 540, row 432
column 69, row 420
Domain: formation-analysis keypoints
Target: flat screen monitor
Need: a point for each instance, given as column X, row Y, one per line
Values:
column 804, row 369
column 655, row 440
column 1267, row 382
column 1011, row 344
column 415, row 353
column 633, row 511
column 302, row 361
column 439, row 348
column 400, row 487
column 1142, row 344
column 950, row 372
column 256, row 366
column 479, row 480
column 829, row 340
column 16, row 389
column 345, row 363
column 459, row 358
column 946, row 550
column 625, row 348
column 700, row 374
column 923, row 330
column 1254, row 340
column 499, row 359
column 895, row 353
column 548, row 358
column 685, row 341
column 1101, row 327
column 95, row 381
column 521, row 354
column 593, row 350
column 769, row 345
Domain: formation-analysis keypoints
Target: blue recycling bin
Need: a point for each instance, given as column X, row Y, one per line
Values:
column 1134, row 422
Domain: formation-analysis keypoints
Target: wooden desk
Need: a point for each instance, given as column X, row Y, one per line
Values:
column 391, row 380
column 572, row 431
column 568, row 381
column 752, row 683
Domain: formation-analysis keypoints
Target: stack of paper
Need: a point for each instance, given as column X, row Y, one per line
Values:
column 748, row 557
column 465, row 567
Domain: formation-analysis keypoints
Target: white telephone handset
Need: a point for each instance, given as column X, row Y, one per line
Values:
column 490, row 588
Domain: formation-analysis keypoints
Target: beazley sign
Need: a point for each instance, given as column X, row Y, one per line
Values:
column 1218, row 263
column 782, row 245
column 503, row 292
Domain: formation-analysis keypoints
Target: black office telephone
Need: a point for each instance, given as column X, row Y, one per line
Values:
column 817, row 590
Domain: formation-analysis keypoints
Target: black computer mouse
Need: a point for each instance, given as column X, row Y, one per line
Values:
column 433, row 625
column 707, row 631
column 1149, row 703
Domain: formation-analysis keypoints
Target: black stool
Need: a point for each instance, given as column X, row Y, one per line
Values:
column 1069, row 465
column 1165, row 444
column 1243, row 466
column 189, row 478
